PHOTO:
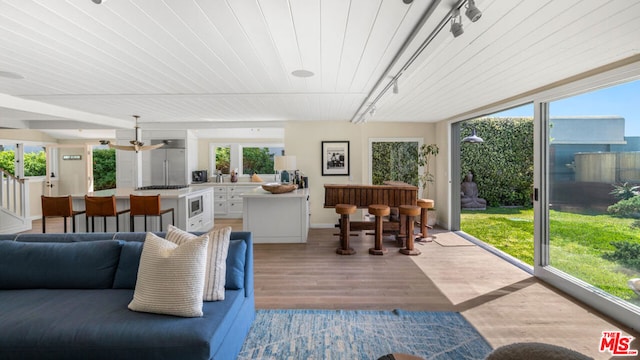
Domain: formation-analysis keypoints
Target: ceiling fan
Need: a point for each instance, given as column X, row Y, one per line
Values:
column 136, row 145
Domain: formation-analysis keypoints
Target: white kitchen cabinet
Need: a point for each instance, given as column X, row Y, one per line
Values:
column 228, row 198
column 220, row 201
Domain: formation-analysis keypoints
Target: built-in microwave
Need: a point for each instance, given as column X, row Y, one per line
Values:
column 195, row 206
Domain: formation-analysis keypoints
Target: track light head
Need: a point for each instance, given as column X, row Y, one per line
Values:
column 372, row 112
column 456, row 29
column 473, row 13
column 456, row 23
column 407, row 1
column 99, row 1
column 395, row 87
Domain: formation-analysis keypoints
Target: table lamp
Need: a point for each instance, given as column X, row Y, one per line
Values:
column 282, row 164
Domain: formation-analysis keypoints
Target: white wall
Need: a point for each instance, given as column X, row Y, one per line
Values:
column 303, row 139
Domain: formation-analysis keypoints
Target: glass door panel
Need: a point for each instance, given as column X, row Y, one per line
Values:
column 594, row 195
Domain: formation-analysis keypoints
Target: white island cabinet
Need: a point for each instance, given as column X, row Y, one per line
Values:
column 276, row 218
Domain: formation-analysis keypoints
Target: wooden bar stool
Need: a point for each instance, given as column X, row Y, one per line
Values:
column 378, row 211
column 344, row 210
column 425, row 205
column 58, row 206
column 103, row 206
column 407, row 213
column 147, row 205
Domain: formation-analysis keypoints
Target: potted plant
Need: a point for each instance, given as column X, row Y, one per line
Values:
column 426, row 155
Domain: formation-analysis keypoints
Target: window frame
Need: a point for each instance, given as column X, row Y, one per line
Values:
column 235, row 154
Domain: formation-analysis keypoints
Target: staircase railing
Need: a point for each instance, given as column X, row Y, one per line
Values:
column 14, row 194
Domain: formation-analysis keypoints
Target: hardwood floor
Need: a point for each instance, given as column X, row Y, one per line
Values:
column 504, row 303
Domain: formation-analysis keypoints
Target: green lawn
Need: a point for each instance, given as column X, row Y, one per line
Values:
column 576, row 246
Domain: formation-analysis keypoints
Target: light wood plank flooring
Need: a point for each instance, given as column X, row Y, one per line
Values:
column 504, row 303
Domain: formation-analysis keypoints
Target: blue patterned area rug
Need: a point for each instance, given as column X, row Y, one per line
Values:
column 342, row 334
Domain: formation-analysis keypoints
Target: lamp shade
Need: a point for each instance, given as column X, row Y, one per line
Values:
column 285, row 162
column 473, row 138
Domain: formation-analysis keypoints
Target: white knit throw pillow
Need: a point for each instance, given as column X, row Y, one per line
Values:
column 216, row 272
column 171, row 277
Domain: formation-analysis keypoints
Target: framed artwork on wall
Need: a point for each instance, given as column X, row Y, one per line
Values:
column 335, row 158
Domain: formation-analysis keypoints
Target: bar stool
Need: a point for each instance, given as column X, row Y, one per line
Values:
column 147, row 205
column 344, row 210
column 407, row 213
column 58, row 206
column 103, row 206
column 378, row 211
column 425, row 205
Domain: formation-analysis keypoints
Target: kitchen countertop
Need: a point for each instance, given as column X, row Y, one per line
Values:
column 125, row 192
column 259, row 192
column 227, row 183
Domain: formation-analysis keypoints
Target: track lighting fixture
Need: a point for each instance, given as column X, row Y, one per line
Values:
column 456, row 23
column 99, row 1
column 473, row 138
column 473, row 13
column 368, row 105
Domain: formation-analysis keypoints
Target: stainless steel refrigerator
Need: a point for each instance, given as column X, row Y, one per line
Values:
column 168, row 163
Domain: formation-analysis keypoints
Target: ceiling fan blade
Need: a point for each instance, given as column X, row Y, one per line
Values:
column 122, row 147
column 150, row 147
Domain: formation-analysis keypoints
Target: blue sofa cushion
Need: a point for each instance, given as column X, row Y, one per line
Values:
column 77, row 265
column 235, row 265
column 96, row 324
column 127, row 272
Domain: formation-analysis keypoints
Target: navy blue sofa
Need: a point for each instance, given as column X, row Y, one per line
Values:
column 50, row 309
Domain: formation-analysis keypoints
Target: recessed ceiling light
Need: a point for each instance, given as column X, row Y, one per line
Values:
column 11, row 75
column 302, row 73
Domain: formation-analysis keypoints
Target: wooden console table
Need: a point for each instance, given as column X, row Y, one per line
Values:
column 392, row 194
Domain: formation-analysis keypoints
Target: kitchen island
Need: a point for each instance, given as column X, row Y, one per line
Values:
column 276, row 218
column 178, row 199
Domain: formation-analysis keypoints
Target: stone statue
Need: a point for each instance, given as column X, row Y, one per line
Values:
column 469, row 195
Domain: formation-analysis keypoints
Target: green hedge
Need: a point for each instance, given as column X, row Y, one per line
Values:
column 502, row 165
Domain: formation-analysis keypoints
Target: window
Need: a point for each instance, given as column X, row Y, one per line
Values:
column 34, row 159
column 247, row 158
column 259, row 159
column 7, row 158
column 222, row 155
column 394, row 159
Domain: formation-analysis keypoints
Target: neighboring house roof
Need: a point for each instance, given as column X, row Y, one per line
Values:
column 596, row 129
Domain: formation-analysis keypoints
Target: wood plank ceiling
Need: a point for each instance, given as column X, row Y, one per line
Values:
column 204, row 63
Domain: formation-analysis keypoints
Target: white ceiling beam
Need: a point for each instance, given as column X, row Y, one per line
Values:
column 16, row 103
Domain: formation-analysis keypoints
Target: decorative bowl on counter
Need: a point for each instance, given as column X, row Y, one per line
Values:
column 277, row 188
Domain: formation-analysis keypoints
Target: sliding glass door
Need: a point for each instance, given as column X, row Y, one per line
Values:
column 590, row 238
